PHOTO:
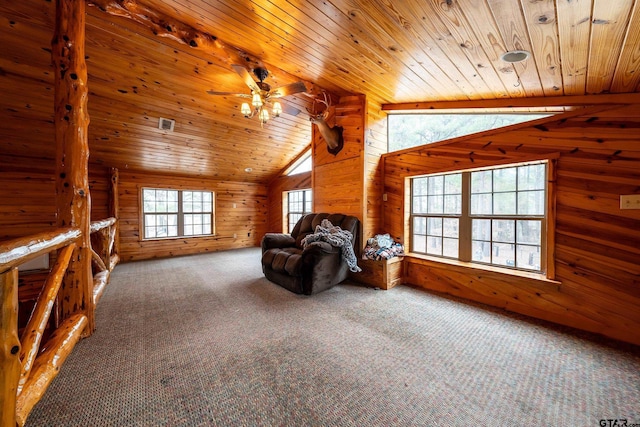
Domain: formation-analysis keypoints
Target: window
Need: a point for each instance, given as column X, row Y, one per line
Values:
column 412, row 130
column 302, row 165
column 298, row 204
column 491, row 216
column 176, row 213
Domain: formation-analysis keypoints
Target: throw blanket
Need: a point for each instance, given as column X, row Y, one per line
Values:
column 336, row 237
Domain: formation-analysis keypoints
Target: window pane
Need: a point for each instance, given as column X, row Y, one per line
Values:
column 150, row 220
column 197, row 229
column 434, row 226
column 504, row 254
column 434, row 245
column 172, row 206
column 420, row 244
column 529, row 232
column 481, row 229
column 450, row 247
column 420, row 186
column 419, row 225
column 187, row 196
column 188, row 230
column 453, row 184
column 172, row 220
column 436, row 185
column 504, row 203
column 206, row 197
column 197, row 196
column 481, row 251
column 504, row 179
column 172, row 231
column 528, row 257
column 188, row 219
column 420, row 204
column 503, row 230
column 481, row 182
column 481, row 204
column 453, row 204
column 206, row 229
column 531, row 202
column 435, row 204
column 531, row 177
column 450, row 227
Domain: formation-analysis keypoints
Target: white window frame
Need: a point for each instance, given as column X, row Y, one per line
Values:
column 307, row 207
column 181, row 214
column 465, row 218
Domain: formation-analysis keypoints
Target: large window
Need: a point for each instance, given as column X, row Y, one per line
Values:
column 412, row 130
column 491, row 216
column 176, row 213
column 298, row 203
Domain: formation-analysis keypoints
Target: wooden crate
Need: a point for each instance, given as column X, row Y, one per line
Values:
column 383, row 274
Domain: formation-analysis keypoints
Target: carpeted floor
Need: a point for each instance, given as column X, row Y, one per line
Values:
column 206, row 340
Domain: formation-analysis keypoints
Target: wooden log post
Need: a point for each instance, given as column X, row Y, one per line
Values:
column 72, row 155
column 9, row 347
column 114, row 211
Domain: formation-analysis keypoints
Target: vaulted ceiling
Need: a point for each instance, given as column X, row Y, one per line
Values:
column 151, row 63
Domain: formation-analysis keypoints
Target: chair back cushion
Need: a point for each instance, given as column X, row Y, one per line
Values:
column 307, row 225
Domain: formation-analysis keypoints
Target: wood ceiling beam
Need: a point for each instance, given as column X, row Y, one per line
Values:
column 164, row 26
column 549, row 101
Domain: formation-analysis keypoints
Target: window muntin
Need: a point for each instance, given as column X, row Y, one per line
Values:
column 505, row 215
column 299, row 203
column 170, row 213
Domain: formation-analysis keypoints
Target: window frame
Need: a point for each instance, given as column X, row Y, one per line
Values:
column 464, row 257
column 180, row 213
column 287, row 225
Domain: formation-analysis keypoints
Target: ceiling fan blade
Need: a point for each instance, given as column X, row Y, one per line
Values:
column 239, row 95
column 288, row 90
column 246, row 77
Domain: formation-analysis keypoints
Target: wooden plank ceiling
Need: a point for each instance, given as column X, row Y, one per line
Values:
column 392, row 51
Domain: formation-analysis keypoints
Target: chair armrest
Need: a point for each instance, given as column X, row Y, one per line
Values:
column 277, row 240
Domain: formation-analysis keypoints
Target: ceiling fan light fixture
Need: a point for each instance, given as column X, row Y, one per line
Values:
column 515, row 56
column 245, row 109
column 277, row 109
column 263, row 115
column 256, row 101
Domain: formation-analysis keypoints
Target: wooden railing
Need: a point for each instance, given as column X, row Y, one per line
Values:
column 27, row 367
column 103, row 253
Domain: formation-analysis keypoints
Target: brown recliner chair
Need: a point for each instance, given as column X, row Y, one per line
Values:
column 314, row 268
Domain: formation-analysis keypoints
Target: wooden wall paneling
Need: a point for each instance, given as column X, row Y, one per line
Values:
column 626, row 77
column 514, row 33
column 608, row 28
column 597, row 245
column 248, row 220
column 540, row 19
column 574, row 31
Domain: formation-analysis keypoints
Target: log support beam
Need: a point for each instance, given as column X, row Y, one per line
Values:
column 9, row 346
column 72, row 154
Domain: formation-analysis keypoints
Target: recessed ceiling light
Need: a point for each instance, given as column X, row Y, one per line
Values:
column 514, row 56
column 248, row 170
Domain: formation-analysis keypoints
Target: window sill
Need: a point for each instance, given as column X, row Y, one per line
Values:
column 198, row 236
column 466, row 266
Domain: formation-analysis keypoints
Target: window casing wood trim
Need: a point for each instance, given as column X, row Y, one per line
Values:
column 180, row 213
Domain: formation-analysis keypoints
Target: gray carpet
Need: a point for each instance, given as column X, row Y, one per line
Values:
column 206, row 340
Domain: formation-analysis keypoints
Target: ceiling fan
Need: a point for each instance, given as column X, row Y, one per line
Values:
column 262, row 94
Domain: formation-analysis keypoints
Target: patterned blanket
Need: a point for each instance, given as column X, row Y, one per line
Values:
column 336, row 237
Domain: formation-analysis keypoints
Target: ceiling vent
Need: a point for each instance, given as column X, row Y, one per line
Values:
column 166, row 124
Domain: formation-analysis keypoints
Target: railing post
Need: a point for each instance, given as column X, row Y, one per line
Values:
column 9, row 347
column 72, row 154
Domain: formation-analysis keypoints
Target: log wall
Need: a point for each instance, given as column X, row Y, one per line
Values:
column 248, row 220
column 597, row 244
